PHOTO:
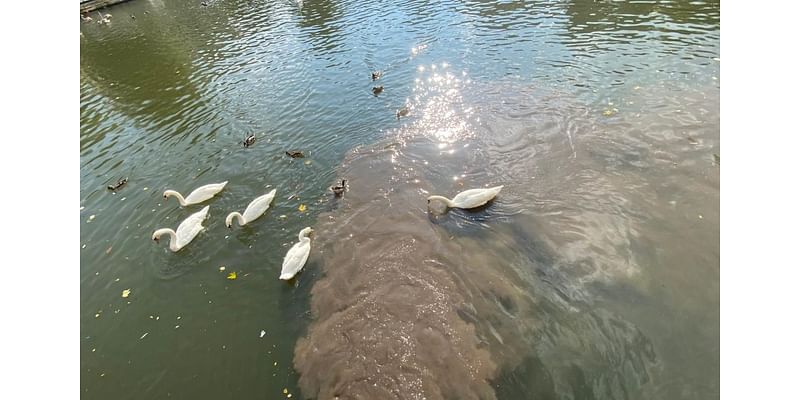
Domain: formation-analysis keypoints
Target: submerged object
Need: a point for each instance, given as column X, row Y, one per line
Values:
column 198, row 195
column 187, row 230
column 469, row 198
column 296, row 256
column 120, row 183
column 340, row 188
column 295, row 154
column 255, row 209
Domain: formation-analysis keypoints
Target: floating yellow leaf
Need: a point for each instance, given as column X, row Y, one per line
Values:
column 126, row 293
column 302, row 208
column 232, row 275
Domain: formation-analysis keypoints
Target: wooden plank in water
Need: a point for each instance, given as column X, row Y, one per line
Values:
column 91, row 5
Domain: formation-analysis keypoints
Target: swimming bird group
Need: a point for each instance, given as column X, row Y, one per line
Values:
column 297, row 256
column 190, row 227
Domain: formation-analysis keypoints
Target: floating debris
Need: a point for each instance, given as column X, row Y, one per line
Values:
column 610, row 111
column 142, row 337
column 282, row 216
column 221, row 268
column 285, row 390
column 301, row 208
column 716, row 158
column 295, row 154
column 308, row 162
column 692, row 140
column 91, row 218
column 263, row 332
column 376, row 90
column 126, row 293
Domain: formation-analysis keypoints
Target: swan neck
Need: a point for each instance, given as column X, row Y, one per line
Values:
column 444, row 199
column 229, row 219
column 302, row 236
column 177, row 195
column 173, row 238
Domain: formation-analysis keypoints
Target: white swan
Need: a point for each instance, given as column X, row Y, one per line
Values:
column 254, row 210
column 187, row 230
column 469, row 198
column 297, row 255
column 198, row 195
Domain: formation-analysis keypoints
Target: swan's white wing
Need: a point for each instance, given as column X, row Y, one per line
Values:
column 295, row 259
column 205, row 192
column 258, row 206
column 475, row 197
column 190, row 227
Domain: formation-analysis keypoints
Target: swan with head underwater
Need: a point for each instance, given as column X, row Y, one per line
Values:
column 296, row 256
column 187, row 230
column 198, row 195
column 255, row 209
column 469, row 198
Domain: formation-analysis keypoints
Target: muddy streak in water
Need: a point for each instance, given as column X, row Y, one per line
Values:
column 417, row 305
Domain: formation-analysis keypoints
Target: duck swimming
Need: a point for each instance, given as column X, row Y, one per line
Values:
column 376, row 75
column 401, row 112
column 376, row 90
column 469, row 198
column 295, row 154
column 340, row 188
column 120, row 183
column 249, row 140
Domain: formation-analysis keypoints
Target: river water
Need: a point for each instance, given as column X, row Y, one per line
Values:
column 593, row 275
